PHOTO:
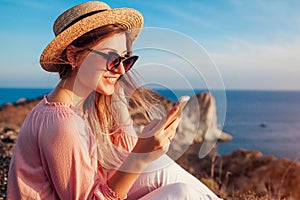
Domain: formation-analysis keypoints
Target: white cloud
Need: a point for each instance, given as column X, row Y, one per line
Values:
column 259, row 56
column 272, row 66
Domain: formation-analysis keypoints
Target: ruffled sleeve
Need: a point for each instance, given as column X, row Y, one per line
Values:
column 105, row 193
column 124, row 140
column 56, row 158
column 68, row 154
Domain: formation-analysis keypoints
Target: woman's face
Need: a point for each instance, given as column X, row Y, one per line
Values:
column 92, row 73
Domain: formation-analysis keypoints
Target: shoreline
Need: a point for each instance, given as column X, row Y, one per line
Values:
column 231, row 175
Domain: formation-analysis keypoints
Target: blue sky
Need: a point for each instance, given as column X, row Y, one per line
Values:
column 255, row 44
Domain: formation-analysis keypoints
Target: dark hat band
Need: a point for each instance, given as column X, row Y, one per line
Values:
column 79, row 18
column 74, row 14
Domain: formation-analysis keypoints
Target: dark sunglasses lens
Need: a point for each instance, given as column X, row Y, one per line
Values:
column 129, row 62
column 113, row 60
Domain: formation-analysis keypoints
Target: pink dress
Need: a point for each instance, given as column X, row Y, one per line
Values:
column 55, row 158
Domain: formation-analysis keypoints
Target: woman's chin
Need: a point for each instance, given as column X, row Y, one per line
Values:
column 106, row 91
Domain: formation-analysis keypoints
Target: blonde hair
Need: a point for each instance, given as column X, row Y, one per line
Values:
column 104, row 125
column 98, row 107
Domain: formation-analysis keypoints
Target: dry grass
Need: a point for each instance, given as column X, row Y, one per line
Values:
column 245, row 175
column 220, row 187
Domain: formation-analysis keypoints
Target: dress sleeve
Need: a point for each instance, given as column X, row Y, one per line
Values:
column 124, row 140
column 68, row 156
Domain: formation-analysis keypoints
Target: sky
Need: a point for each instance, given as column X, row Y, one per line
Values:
column 251, row 44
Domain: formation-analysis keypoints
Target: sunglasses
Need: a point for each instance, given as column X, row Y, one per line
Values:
column 113, row 60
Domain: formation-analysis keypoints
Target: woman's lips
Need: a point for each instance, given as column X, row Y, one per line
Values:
column 111, row 80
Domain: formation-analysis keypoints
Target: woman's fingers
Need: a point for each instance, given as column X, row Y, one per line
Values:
column 158, row 133
column 153, row 128
column 171, row 116
column 158, row 126
column 171, row 130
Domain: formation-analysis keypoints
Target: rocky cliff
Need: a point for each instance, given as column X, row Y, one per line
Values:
column 198, row 124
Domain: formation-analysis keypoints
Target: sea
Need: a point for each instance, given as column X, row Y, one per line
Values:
column 267, row 121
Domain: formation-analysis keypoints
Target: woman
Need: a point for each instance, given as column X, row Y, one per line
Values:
column 78, row 142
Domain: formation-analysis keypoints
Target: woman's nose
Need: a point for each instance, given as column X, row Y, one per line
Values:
column 120, row 69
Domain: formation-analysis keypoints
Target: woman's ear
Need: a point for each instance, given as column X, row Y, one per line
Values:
column 71, row 54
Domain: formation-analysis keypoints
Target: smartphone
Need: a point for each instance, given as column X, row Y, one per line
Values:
column 181, row 103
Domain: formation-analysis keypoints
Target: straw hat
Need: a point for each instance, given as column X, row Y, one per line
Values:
column 83, row 18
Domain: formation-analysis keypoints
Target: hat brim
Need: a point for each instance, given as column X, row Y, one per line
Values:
column 130, row 19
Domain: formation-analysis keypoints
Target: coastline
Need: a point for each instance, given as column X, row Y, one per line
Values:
column 230, row 175
column 267, row 121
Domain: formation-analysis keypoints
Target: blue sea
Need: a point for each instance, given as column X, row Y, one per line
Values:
column 268, row 121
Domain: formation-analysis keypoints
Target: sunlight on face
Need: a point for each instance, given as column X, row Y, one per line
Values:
column 92, row 73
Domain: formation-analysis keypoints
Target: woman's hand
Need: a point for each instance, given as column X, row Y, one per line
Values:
column 153, row 142
column 156, row 137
